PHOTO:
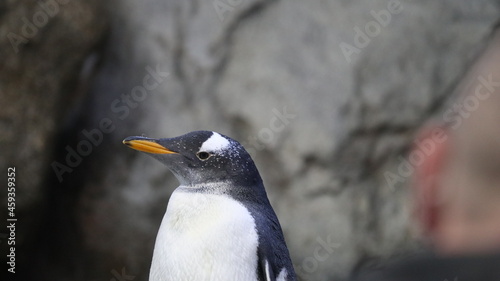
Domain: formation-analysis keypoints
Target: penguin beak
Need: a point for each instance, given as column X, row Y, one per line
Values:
column 146, row 145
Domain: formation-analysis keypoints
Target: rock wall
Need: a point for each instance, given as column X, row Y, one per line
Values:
column 325, row 95
column 43, row 45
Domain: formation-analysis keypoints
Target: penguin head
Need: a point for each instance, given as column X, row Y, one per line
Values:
column 201, row 157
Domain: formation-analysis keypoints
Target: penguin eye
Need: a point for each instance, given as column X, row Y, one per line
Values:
column 202, row 155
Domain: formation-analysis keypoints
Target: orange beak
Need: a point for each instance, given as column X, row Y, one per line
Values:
column 149, row 146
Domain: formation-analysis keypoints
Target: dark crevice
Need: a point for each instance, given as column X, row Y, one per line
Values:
column 56, row 242
column 179, row 57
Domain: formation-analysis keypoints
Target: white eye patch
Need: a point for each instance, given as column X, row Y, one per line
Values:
column 215, row 143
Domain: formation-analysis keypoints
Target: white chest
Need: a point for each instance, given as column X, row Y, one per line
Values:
column 205, row 237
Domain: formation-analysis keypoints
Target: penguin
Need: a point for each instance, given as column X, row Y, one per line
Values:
column 219, row 224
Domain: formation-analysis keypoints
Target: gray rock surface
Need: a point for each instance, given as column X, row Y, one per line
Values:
column 323, row 127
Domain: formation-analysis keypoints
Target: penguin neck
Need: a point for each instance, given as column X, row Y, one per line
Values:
column 246, row 176
column 240, row 192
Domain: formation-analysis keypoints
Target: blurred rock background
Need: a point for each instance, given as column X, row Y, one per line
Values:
column 326, row 96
